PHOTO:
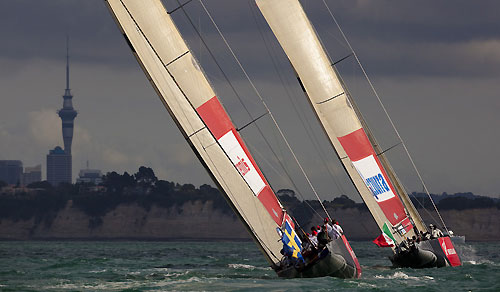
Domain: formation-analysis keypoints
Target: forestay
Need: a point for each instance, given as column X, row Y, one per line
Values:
column 192, row 103
column 335, row 111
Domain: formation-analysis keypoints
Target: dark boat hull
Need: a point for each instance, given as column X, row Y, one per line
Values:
column 340, row 262
column 434, row 253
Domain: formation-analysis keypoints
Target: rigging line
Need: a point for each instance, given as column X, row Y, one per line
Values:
column 290, row 181
column 265, row 105
column 420, row 203
column 213, row 58
column 199, row 35
column 386, row 113
column 230, row 84
column 155, row 53
column 303, row 121
column 202, row 40
column 240, row 210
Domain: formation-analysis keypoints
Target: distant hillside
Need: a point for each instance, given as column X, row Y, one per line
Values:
column 140, row 206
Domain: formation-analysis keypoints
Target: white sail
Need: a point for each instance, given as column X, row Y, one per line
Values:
column 191, row 101
column 337, row 114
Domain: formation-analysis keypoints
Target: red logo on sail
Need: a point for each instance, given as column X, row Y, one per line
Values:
column 449, row 251
column 242, row 166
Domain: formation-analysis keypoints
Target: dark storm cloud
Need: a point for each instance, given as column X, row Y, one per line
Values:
column 41, row 29
column 408, row 33
column 416, row 21
column 436, row 38
column 440, row 38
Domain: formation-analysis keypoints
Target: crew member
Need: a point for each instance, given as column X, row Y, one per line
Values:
column 337, row 230
column 435, row 232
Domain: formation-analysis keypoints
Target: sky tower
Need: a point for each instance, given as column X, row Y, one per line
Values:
column 67, row 113
column 59, row 162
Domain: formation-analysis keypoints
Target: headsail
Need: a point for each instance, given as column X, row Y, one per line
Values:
column 336, row 112
column 192, row 103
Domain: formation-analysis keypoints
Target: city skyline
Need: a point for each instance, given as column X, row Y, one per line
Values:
column 436, row 72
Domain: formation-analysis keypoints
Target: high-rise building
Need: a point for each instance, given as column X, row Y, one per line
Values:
column 90, row 176
column 32, row 174
column 11, row 171
column 58, row 166
column 59, row 161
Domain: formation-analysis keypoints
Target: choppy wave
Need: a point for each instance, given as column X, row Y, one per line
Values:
column 247, row 267
column 150, row 266
column 98, row 271
column 402, row 275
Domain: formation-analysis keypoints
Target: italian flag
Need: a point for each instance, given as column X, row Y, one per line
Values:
column 385, row 239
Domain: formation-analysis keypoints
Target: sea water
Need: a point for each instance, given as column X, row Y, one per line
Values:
column 220, row 266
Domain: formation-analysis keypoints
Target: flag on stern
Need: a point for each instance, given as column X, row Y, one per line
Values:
column 291, row 242
column 385, row 239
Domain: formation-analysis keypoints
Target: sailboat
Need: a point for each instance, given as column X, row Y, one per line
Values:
column 192, row 103
column 352, row 141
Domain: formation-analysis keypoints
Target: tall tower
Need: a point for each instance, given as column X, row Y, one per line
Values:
column 67, row 113
column 59, row 164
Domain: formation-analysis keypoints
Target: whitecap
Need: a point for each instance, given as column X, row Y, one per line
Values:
column 98, row 271
column 401, row 275
column 176, row 274
column 480, row 262
column 241, row 266
column 247, row 267
column 182, row 281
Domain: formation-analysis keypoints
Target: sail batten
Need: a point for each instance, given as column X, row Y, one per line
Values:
column 191, row 101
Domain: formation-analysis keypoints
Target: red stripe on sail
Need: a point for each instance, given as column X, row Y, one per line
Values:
column 219, row 123
column 357, row 146
column 215, row 117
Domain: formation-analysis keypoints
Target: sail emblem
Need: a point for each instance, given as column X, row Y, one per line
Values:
column 242, row 166
column 242, row 162
column 396, row 216
column 373, row 178
column 377, row 185
column 447, row 251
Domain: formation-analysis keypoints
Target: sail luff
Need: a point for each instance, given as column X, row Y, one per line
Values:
column 335, row 111
column 191, row 101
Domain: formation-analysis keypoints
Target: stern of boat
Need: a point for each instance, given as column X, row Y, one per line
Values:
column 438, row 253
column 337, row 260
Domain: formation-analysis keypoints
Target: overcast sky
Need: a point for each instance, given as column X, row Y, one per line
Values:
column 435, row 64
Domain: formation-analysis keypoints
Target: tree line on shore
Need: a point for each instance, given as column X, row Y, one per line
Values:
column 43, row 201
